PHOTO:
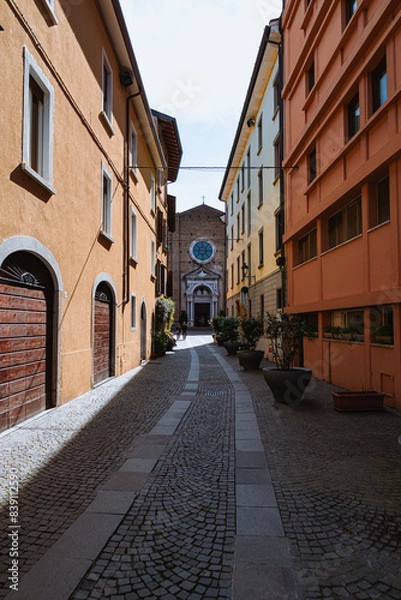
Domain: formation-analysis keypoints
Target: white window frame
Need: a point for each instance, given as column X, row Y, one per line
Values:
column 106, row 204
column 153, row 258
column 133, row 312
column 152, row 193
column 133, row 151
column 49, row 5
column 134, row 236
column 107, row 91
column 44, row 176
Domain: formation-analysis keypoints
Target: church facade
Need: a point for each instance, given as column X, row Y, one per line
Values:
column 197, row 254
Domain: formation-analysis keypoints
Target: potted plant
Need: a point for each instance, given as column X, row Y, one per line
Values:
column 286, row 382
column 229, row 331
column 361, row 400
column 217, row 323
column 382, row 334
column 251, row 330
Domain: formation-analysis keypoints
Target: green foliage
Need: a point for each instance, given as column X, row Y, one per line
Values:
column 229, row 328
column 164, row 313
column 217, row 322
column 251, row 330
column 285, row 333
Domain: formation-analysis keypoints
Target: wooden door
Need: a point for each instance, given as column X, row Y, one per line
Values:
column 26, row 300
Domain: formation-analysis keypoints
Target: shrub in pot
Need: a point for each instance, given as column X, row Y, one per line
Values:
column 229, row 331
column 251, row 330
column 286, row 382
column 217, row 323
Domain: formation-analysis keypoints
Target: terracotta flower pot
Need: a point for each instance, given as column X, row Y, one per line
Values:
column 287, row 386
column 349, row 401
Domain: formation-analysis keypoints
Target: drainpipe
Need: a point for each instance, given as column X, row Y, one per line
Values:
column 282, row 204
column 126, row 276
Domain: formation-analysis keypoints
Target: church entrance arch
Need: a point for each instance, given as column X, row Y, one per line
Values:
column 202, row 298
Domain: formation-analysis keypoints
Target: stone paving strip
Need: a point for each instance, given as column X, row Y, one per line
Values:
column 262, row 561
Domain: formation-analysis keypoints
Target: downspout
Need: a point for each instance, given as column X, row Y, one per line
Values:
column 282, row 203
column 126, row 276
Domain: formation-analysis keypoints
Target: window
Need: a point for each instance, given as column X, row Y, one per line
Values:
column 379, row 201
column 310, row 78
column 242, row 177
column 354, row 114
column 262, row 306
column 277, row 157
column 48, row 6
column 248, row 167
column 232, row 276
column 107, row 183
column 350, row 9
column 232, row 203
column 276, row 95
column 238, row 194
column 346, row 224
column 133, row 149
column 238, row 270
column 37, row 153
column 242, row 264
column 382, row 325
column 249, row 211
column 260, row 187
column 261, row 251
column 152, row 193
column 134, row 235
column 307, row 247
column 238, row 227
column 107, row 89
column 279, row 228
column 379, row 85
column 260, row 133
column 243, row 218
column 152, row 258
column 312, row 172
column 279, row 298
column 232, row 237
column 133, row 311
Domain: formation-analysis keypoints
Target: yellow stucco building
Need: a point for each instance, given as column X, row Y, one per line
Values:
column 84, row 207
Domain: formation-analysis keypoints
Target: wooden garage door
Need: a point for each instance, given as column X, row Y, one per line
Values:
column 102, row 334
column 25, row 334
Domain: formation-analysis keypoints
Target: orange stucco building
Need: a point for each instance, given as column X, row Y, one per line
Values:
column 84, row 207
column 342, row 159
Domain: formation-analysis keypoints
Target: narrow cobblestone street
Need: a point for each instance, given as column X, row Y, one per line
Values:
column 185, row 480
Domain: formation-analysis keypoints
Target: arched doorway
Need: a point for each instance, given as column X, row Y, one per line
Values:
column 202, row 298
column 144, row 339
column 103, row 342
column 26, row 338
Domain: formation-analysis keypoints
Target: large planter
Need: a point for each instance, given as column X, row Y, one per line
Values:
column 220, row 339
column 349, row 401
column 232, row 347
column 250, row 359
column 287, row 386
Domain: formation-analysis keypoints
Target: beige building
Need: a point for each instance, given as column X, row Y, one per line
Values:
column 251, row 190
column 197, row 251
column 83, row 174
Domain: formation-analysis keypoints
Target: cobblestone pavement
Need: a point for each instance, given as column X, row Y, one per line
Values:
column 177, row 540
column 64, row 457
column 336, row 477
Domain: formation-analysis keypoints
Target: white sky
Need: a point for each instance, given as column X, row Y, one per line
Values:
column 196, row 59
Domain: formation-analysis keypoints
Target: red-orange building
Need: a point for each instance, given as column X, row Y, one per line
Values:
column 342, row 119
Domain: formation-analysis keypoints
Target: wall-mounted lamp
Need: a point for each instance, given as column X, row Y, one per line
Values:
column 246, row 272
column 280, row 262
column 250, row 122
column 126, row 77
